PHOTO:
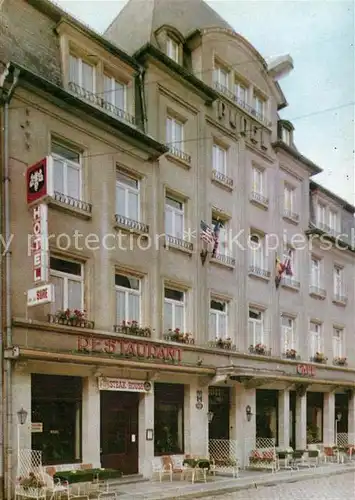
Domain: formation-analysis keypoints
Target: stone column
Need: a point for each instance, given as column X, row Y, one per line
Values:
column 301, row 421
column 91, row 422
column 21, row 398
column 196, row 419
column 242, row 431
column 351, row 419
column 146, row 421
column 329, row 419
column 284, row 418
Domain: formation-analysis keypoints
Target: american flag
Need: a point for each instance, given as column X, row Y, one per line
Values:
column 206, row 233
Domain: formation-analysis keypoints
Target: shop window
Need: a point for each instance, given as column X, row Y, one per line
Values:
column 169, row 419
column 57, row 405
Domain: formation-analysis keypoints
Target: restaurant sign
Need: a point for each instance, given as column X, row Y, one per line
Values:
column 306, row 370
column 129, row 348
column 120, row 384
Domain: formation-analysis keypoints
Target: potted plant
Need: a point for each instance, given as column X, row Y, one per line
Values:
column 320, row 358
column 177, row 335
column 133, row 328
column 71, row 317
column 224, row 343
column 340, row 361
column 260, row 349
column 291, row 353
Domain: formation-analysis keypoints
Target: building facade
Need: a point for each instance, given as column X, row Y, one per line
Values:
column 157, row 342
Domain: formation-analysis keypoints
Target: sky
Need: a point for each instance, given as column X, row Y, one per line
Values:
column 320, row 91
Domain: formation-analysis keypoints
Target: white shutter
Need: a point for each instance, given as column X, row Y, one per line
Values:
column 120, row 307
column 58, row 167
column 133, row 205
column 168, row 316
column 259, row 333
column 179, row 316
column 222, row 326
column 58, row 292
column 73, row 182
column 213, row 326
column 134, row 307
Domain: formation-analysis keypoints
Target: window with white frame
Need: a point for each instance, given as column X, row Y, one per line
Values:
column 127, row 196
column 81, row 73
column 338, row 339
column 315, row 338
column 288, row 333
column 256, row 327
column 289, row 198
column 315, row 272
column 223, row 244
column 67, row 277
column 174, row 217
column 333, row 221
column 321, row 214
column 172, row 49
column 219, row 159
column 259, row 106
column 259, row 184
column 338, row 281
column 218, row 319
column 286, row 136
column 241, row 92
column 115, row 92
column 257, row 251
column 175, row 133
column 128, row 298
column 174, row 309
column 221, row 76
column 67, row 171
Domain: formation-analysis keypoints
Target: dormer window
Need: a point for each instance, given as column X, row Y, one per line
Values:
column 221, row 78
column 172, row 49
column 115, row 92
column 286, row 136
column 82, row 73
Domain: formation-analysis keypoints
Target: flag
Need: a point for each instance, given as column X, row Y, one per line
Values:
column 279, row 270
column 216, row 231
column 288, row 264
column 206, row 233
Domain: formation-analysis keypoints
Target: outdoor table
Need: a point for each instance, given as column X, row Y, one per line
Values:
column 195, row 466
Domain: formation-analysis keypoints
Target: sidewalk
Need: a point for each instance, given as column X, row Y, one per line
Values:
column 154, row 490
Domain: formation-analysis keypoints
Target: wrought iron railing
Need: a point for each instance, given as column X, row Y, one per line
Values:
column 178, row 242
column 291, row 215
column 97, row 100
column 290, row 282
column 132, row 224
column 315, row 290
column 257, row 271
column 222, row 178
column 224, row 259
column 259, row 198
column 178, row 153
column 72, row 202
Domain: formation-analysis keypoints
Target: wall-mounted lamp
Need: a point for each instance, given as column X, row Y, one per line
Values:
column 248, row 413
column 339, row 415
column 210, row 416
column 22, row 416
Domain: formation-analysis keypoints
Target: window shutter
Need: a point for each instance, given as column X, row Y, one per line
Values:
column 222, row 325
column 75, row 299
column 120, row 307
column 179, row 316
column 134, row 307
column 213, row 326
column 168, row 316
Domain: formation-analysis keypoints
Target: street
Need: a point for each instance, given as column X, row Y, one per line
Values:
column 321, row 488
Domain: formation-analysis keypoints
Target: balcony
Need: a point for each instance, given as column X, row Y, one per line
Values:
column 259, row 349
column 224, row 260
column 132, row 328
column 222, row 179
column 291, row 216
column 179, row 154
column 72, row 203
column 317, row 292
column 98, row 101
column 288, row 282
column 130, row 224
column 340, row 299
column 259, row 199
column 71, row 318
column 258, row 272
column 178, row 243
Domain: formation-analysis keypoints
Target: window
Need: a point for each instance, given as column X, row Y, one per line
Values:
column 333, row 220
column 241, row 92
column 315, row 272
column 286, row 136
column 174, row 217
column 337, row 342
column 68, row 279
column 128, row 298
column 82, row 73
column 221, row 76
column 315, row 338
column 115, row 92
column 218, row 319
column 56, row 402
column 321, row 214
column 289, row 198
column 172, row 49
column 175, row 133
column 174, row 309
column 288, row 333
column 127, row 196
column 259, row 106
column 257, row 334
column 257, row 254
column 219, row 160
column 338, row 281
column 223, row 244
column 258, row 181
column 67, row 171
column 168, row 419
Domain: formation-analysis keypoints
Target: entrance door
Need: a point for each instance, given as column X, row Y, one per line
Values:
column 119, row 431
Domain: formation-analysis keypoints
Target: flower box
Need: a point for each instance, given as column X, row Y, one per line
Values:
column 291, row 354
column 319, row 358
column 339, row 361
column 260, row 349
column 178, row 336
column 224, row 343
column 133, row 328
column 70, row 317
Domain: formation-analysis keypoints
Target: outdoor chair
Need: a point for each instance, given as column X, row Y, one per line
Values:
column 162, row 467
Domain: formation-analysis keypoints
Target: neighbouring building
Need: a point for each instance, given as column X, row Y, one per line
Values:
column 135, row 137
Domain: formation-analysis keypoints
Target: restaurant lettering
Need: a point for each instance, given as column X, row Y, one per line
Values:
column 306, row 370
column 129, row 348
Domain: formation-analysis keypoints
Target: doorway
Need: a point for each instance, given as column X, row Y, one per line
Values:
column 219, row 406
column 119, row 431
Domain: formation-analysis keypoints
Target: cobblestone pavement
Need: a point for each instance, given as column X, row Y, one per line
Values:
column 338, row 487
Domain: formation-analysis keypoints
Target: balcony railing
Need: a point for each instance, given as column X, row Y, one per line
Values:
column 340, row 299
column 222, row 178
column 259, row 198
column 224, row 259
column 260, row 349
column 288, row 214
column 317, row 291
column 178, row 243
column 132, row 328
column 72, row 202
column 257, row 271
column 178, row 153
column 97, row 100
column 131, row 224
column 67, row 321
column 290, row 282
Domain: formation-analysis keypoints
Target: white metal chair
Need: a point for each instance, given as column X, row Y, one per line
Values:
column 161, row 469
